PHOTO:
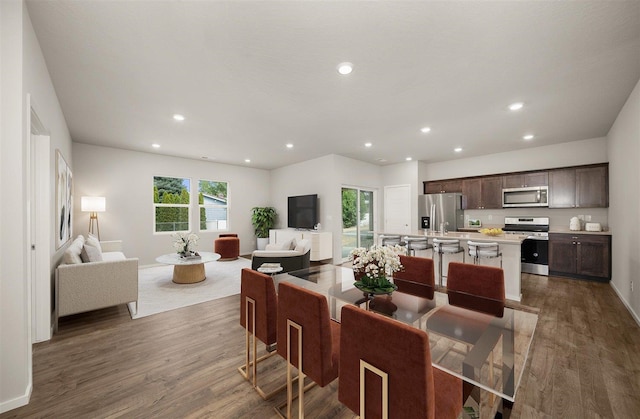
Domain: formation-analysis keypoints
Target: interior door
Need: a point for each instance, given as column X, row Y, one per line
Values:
column 397, row 209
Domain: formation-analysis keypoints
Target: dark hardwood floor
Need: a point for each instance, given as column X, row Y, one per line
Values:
column 584, row 363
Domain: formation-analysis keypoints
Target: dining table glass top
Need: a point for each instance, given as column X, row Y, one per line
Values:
column 488, row 351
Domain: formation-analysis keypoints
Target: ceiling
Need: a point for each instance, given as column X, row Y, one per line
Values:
column 250, row 77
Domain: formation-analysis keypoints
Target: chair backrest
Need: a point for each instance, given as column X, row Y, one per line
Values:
column 259, row 287
column 476, row 287
column 483, row 249
column 447, row 245
column 320, row 335
column 399, row 350
column 417, row 277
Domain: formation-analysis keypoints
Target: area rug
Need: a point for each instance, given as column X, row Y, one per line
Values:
column 157, row 293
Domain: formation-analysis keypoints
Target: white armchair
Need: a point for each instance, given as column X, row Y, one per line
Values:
column 291, row 259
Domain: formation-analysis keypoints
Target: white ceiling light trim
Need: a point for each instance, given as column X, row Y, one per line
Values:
column 368, row 145
column 457, row 149
column 528, row 137
column 289, row 145
column 178, row 117
column 516, row 106
column 345, row 68
column 155, row 145
column 425, row 130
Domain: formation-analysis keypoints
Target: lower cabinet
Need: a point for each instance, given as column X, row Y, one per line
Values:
column 585, row 256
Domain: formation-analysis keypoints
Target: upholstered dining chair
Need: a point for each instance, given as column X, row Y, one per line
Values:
column 417, row 278
column 308, row 339
column 258, row 315
column 386, row 371
column 476, row 287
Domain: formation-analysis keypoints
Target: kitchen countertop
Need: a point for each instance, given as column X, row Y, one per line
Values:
column 567, row 231
column 502, row 238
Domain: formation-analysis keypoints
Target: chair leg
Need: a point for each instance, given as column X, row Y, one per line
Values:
column 250, row 368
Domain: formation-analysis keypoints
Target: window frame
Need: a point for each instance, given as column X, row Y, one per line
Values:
column 214, row 206
column 161, row 205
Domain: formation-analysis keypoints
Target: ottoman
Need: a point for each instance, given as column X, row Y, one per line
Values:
column 227, row 246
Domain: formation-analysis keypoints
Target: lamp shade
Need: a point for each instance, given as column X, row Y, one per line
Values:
column 93, row 203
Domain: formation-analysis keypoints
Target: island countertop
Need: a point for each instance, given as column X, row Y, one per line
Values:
column 464, row 235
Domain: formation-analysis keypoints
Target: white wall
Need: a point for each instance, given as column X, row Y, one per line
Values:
column 15, row 346
column 624, row 192
column 324, row 176
column 574, row 153
column 125, row 178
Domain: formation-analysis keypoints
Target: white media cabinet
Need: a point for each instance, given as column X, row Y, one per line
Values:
column 321, row 241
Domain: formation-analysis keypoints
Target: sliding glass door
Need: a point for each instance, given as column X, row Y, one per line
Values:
column 357, row 219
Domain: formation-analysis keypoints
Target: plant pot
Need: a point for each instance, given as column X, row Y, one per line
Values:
column 262, row 243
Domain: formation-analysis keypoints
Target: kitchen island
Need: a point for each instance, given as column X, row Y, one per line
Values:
column 509, row 246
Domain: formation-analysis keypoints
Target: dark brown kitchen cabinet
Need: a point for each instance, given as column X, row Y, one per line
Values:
column 482, row 193
column 579, row 187
column 525, row 180
column 580, row 256
column 443, row 186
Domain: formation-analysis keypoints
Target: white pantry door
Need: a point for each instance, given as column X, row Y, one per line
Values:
column 397, row 209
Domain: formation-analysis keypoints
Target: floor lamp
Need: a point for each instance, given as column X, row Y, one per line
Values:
column 93, row 205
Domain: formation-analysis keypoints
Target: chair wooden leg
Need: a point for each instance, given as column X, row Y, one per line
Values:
column 364, row 366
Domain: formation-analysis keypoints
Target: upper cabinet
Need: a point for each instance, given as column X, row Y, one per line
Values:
column 443, row 186
column 482, row 193
column 579, row 187
column 525, row 180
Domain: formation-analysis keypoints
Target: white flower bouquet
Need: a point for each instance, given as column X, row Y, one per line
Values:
column 373, row 266
column 185, row 243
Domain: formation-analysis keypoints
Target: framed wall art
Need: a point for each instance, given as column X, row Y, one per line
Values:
column 64, row 201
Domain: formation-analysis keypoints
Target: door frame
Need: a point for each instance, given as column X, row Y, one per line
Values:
column 358, row 189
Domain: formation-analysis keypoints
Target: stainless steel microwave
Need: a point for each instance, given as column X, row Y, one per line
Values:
column 535, row 196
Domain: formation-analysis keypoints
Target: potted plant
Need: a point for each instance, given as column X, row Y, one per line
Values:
column 263, row 219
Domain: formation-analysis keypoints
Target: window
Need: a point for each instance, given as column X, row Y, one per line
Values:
column 171, row 201
column 212, row 198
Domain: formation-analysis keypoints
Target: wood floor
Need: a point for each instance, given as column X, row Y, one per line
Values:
column 584, row 363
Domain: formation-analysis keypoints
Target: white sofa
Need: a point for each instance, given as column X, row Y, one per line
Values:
column 292, row 255
column 85, row 286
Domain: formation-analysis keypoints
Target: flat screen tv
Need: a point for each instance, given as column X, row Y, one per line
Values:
column 303, row 211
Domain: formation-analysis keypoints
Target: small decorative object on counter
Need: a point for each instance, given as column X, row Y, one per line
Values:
column 185, row 244
column 574, row 224
column 491, row 231
column 372, row 267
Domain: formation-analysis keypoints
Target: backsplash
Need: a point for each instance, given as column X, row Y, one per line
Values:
column 558, row 218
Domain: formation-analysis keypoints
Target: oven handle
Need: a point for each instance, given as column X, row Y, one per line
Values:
column 539, row 238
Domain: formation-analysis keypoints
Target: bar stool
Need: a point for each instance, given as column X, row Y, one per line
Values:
column 482, row 250
column 390, row 240
column 446, row 246
column 417, row 243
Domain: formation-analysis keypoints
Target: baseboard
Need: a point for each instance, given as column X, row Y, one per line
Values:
column 629, row 309
column 18, row 401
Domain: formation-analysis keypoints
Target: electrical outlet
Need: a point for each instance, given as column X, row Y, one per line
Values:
column 489, row 217
column 587, row 217
column 631, row 286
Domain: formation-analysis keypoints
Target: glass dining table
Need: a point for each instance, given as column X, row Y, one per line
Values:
column 489, row 352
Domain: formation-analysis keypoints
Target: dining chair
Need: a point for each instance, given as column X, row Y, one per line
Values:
column 476, row 287
column 386, row 371
column 258, row 315
column 308, row 339
column 417, row 276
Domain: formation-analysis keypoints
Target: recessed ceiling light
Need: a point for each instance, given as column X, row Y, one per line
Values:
column 345, row 68
column 368, row 145
column 178, row 117
column 154, row 145
column 289, row 145
column 528, row 137
column 408, row 159
column 247, row 160
column 516, row 106
column 425, row 129
column 457, row 149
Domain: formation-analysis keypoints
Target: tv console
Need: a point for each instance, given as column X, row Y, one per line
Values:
column 321, row 241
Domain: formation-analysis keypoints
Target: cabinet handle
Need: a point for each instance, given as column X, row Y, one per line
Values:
column 573, row 242
column 578, row 242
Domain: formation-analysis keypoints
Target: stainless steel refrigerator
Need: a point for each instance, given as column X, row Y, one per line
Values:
column 442, row 211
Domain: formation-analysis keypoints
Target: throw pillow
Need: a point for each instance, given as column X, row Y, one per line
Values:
column 72, row 254
column 90, row 254
column 93, row 241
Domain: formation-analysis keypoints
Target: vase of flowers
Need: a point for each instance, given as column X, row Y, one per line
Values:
column 372, row 268
column 185, row 244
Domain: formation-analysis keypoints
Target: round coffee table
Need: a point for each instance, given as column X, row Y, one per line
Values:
column 188, row 271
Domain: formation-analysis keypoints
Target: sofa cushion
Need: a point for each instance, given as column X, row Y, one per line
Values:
column 285, row 245
column 94, row 241
column 72, row 254
column 303, row 246
column 90, row 254
column 111, row 256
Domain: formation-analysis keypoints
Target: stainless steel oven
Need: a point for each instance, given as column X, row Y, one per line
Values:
column 535, row 248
